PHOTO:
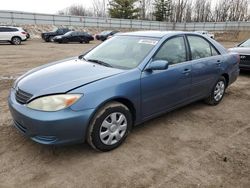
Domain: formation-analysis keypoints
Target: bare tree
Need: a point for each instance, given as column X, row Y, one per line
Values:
column 179, row 7
column 76, row 10
column 222, row 10
column 188, row 12
column 100, row 7
column 238, row 10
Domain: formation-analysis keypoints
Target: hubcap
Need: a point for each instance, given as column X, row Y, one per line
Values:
column 113, row 128
column 219, row 90
column 16, row 41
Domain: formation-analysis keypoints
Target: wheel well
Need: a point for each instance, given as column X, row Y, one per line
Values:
column 125, row 102
column 16, row 37
column 226, row 76
column 129, row 104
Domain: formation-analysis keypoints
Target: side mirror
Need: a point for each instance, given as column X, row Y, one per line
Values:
column 157, row 65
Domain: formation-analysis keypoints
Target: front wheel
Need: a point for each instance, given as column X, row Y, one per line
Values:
column 51, row 39
column 217, row 93
column 109, row 127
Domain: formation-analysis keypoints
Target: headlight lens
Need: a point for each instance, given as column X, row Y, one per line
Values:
column 54, row 102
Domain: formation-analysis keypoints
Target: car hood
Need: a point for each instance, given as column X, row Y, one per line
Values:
column 240, row 50
column 63, row 76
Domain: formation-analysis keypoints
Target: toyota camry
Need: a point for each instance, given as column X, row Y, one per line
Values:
column 133, row 77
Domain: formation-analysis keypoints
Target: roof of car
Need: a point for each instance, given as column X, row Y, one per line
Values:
column 8, row 26
column 157, row 34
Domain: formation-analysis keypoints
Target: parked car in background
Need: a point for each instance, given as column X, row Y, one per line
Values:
column 105, row 35
column 48, row 36
column 206, row 33
column 125, row 81
column 74, row 36
column 14, row 35
column 244, row 50
column 27, row 34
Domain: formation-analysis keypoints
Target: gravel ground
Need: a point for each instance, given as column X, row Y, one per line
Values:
column 195, row 146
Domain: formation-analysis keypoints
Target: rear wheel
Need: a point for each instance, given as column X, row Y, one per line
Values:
column 109, row 127
column 217, row 93
column 16, row 41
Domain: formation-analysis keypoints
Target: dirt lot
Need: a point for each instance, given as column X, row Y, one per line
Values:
column 195, row 146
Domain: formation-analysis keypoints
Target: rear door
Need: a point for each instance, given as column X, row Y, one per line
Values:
column 164, row 89
column 206, row 65
column 74, row 37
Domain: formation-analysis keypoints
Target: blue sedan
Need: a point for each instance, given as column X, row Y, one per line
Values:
column 133, row 77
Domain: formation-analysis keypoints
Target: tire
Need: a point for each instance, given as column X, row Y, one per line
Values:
column 217, row 92
column 51, row 39
column 86, row 41
column 16, row 41
column 106, row 132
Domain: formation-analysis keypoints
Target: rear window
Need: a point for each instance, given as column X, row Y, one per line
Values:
column 201, row 48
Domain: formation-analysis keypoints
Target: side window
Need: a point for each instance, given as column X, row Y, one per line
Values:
column 1, row 29
column 173, row 51
column 200, row 48
column 4, row 29
column 12, row 29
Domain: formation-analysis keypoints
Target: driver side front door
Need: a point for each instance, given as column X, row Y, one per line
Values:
column 162, row 90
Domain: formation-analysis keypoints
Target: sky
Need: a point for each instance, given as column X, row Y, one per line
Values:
column 45, row 6
column 41, row 6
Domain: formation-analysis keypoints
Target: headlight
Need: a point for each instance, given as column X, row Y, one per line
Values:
column 54, row 102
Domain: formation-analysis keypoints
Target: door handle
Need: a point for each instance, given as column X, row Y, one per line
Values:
column 186, row 71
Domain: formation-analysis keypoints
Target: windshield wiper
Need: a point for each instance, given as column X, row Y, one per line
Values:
column 99, row 62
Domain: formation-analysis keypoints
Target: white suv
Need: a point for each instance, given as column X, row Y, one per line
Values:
column 14, row 35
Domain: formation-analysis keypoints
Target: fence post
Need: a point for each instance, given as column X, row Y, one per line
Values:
column 34, row 17
column 12, row 17
column 53, row 16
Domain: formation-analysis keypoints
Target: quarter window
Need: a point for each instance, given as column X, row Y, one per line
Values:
column 200, row 48
column 173, row 51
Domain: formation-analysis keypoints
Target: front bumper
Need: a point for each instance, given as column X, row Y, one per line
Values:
column 50, row 128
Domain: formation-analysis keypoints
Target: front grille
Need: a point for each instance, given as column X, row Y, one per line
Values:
column 245, row 62
column 22, row 97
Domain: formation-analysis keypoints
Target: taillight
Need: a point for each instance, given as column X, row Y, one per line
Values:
column 24, row 33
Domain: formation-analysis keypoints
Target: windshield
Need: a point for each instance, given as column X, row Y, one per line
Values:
column 245, row 44
column 105, row 32
column 124, row 52
column 55, row 29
